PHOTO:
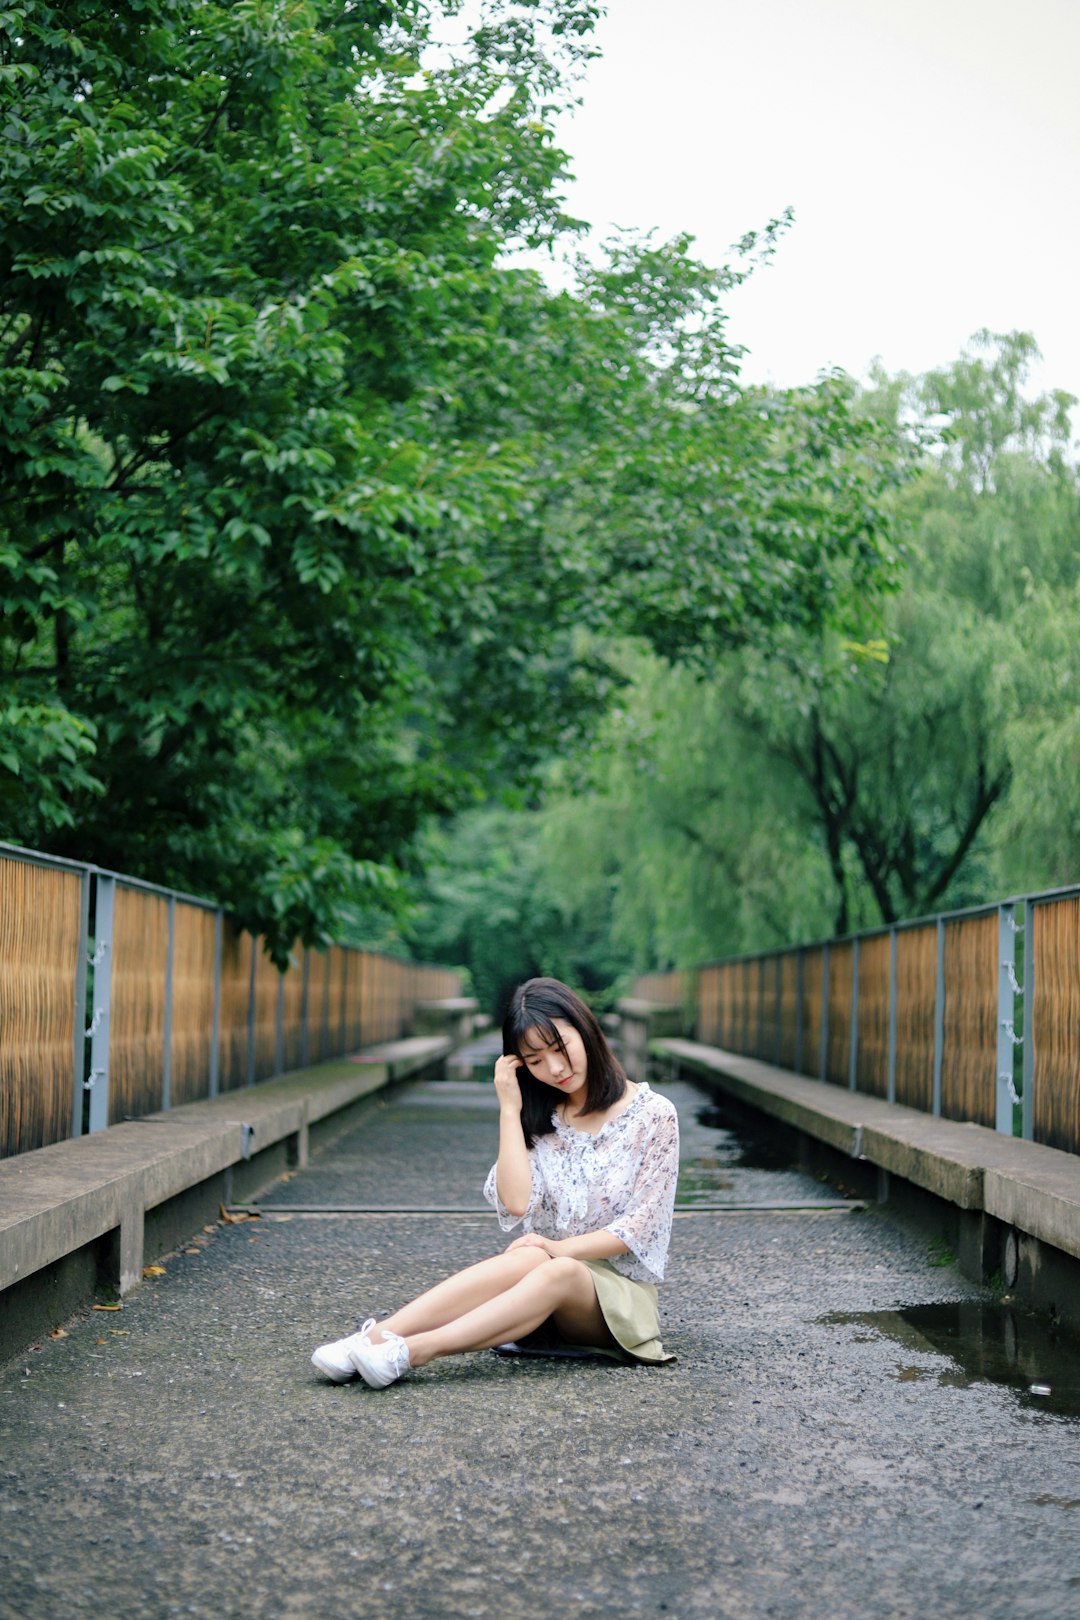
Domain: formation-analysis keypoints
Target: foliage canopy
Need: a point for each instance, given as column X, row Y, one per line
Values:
column 314, row 512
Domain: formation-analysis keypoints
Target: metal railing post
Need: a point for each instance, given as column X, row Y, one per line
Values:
column 1007, row 1039
column 891, row 1092
column 215, row 1030
column 78, row 1071
column 823, row 1056
column 305, row 997
column 939, row 1017
column 170, row 952
column 249, row 1078
column 853, row 1059
column 343, row 1037
column 1028, row 1109
column 279, row 1027
column 324, row 1034
column 98, row 1081
column 745, row 1035
column 800, row 956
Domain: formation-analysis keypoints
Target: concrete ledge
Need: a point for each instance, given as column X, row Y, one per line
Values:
column 60, row 1199
column 451, row 1015
column 641, row 1021
column 1023, row 1185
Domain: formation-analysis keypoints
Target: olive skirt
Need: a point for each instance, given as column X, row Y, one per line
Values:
column 630, row 1310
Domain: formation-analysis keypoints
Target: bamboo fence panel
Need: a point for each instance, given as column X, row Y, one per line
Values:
column 40, row 927
column 812, row 975
column 1056, row 1023
column 708, row 1005
column 292, row 1010
column 736, row 1012
column 969, row 1050
column 872, row 1057
column 731, row 1020
column 389, row 999
column 399, row 976
column 838, row 1049
column 318, row 1005
column 916, row 989
column 366, row 987
column 233, row 1023
column 669, row 989
column 348, row 990
column 357, row 1024
column 754, row 1006
column 369, row 996
column 264, row 1030
column 335, row 968
column 743, row 1022
column 192, row 1002
column 373, row 1022
column 789, row 1008
column 137, row 1017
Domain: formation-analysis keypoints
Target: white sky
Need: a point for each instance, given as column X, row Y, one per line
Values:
column 930, row 148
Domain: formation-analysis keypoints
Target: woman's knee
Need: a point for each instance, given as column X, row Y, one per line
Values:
column 562, row 1274
column 522, row 1262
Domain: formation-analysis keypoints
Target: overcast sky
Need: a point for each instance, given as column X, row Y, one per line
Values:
column 930, row 149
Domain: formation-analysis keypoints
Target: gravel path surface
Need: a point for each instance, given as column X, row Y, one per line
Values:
column 181, row 1457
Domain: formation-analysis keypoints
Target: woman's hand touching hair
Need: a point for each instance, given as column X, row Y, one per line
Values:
column 507, row 1086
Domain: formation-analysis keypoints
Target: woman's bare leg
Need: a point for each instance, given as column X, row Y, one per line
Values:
column 560, row 1288
column 462, row 1293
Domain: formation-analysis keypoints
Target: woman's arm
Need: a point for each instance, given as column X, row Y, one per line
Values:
column 513, row 1172
column 602, row 1245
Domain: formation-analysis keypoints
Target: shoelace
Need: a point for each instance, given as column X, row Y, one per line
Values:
column 397, row 1353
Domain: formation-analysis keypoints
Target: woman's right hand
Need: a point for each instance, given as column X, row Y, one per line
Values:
column 507, row 1088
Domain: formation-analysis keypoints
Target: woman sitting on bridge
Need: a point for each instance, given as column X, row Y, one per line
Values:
column 588, row 1161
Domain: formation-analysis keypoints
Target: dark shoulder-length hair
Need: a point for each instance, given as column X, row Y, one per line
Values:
column 535, row 1005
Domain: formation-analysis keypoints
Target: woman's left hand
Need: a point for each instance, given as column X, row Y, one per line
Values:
column 533, row 1240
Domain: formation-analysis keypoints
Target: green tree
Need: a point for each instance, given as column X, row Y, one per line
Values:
column 822, row 784
column 243, row 250
column 314, row 513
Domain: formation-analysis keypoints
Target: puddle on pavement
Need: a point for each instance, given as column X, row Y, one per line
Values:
column 990, row 1342
column 738, row 1146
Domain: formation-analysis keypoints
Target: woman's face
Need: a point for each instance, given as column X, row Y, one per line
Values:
column 564, row 1067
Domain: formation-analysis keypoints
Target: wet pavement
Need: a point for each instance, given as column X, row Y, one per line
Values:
column 817, row 1449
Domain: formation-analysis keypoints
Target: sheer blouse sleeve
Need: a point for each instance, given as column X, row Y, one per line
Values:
column 644, row 1224
column 507, row 1219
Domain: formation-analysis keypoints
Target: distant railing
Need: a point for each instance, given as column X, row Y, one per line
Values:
column 930, row 1013
column 119, row 998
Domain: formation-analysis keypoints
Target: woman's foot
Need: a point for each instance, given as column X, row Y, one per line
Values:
column 332, row 1360
column 378, row 1364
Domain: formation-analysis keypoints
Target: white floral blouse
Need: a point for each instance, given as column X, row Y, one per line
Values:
column 622, row 1180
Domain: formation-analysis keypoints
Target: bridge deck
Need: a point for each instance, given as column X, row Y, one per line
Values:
column 179, row 1456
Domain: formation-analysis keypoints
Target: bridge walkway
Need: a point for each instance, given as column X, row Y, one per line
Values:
column 178, row 1455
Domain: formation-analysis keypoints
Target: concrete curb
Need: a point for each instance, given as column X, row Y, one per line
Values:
column 59, row 1199
column 1024, row 1185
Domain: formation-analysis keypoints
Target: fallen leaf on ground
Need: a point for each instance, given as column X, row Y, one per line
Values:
column 58, row 1333
column 210, row 1229
column 106, row 1307
column 119, row 1333
column 101, row 1341
column 192, row 1251
column 153, row 1271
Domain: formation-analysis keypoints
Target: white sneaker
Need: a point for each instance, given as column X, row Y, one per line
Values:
column 379, row 1364
column 332, row 1360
